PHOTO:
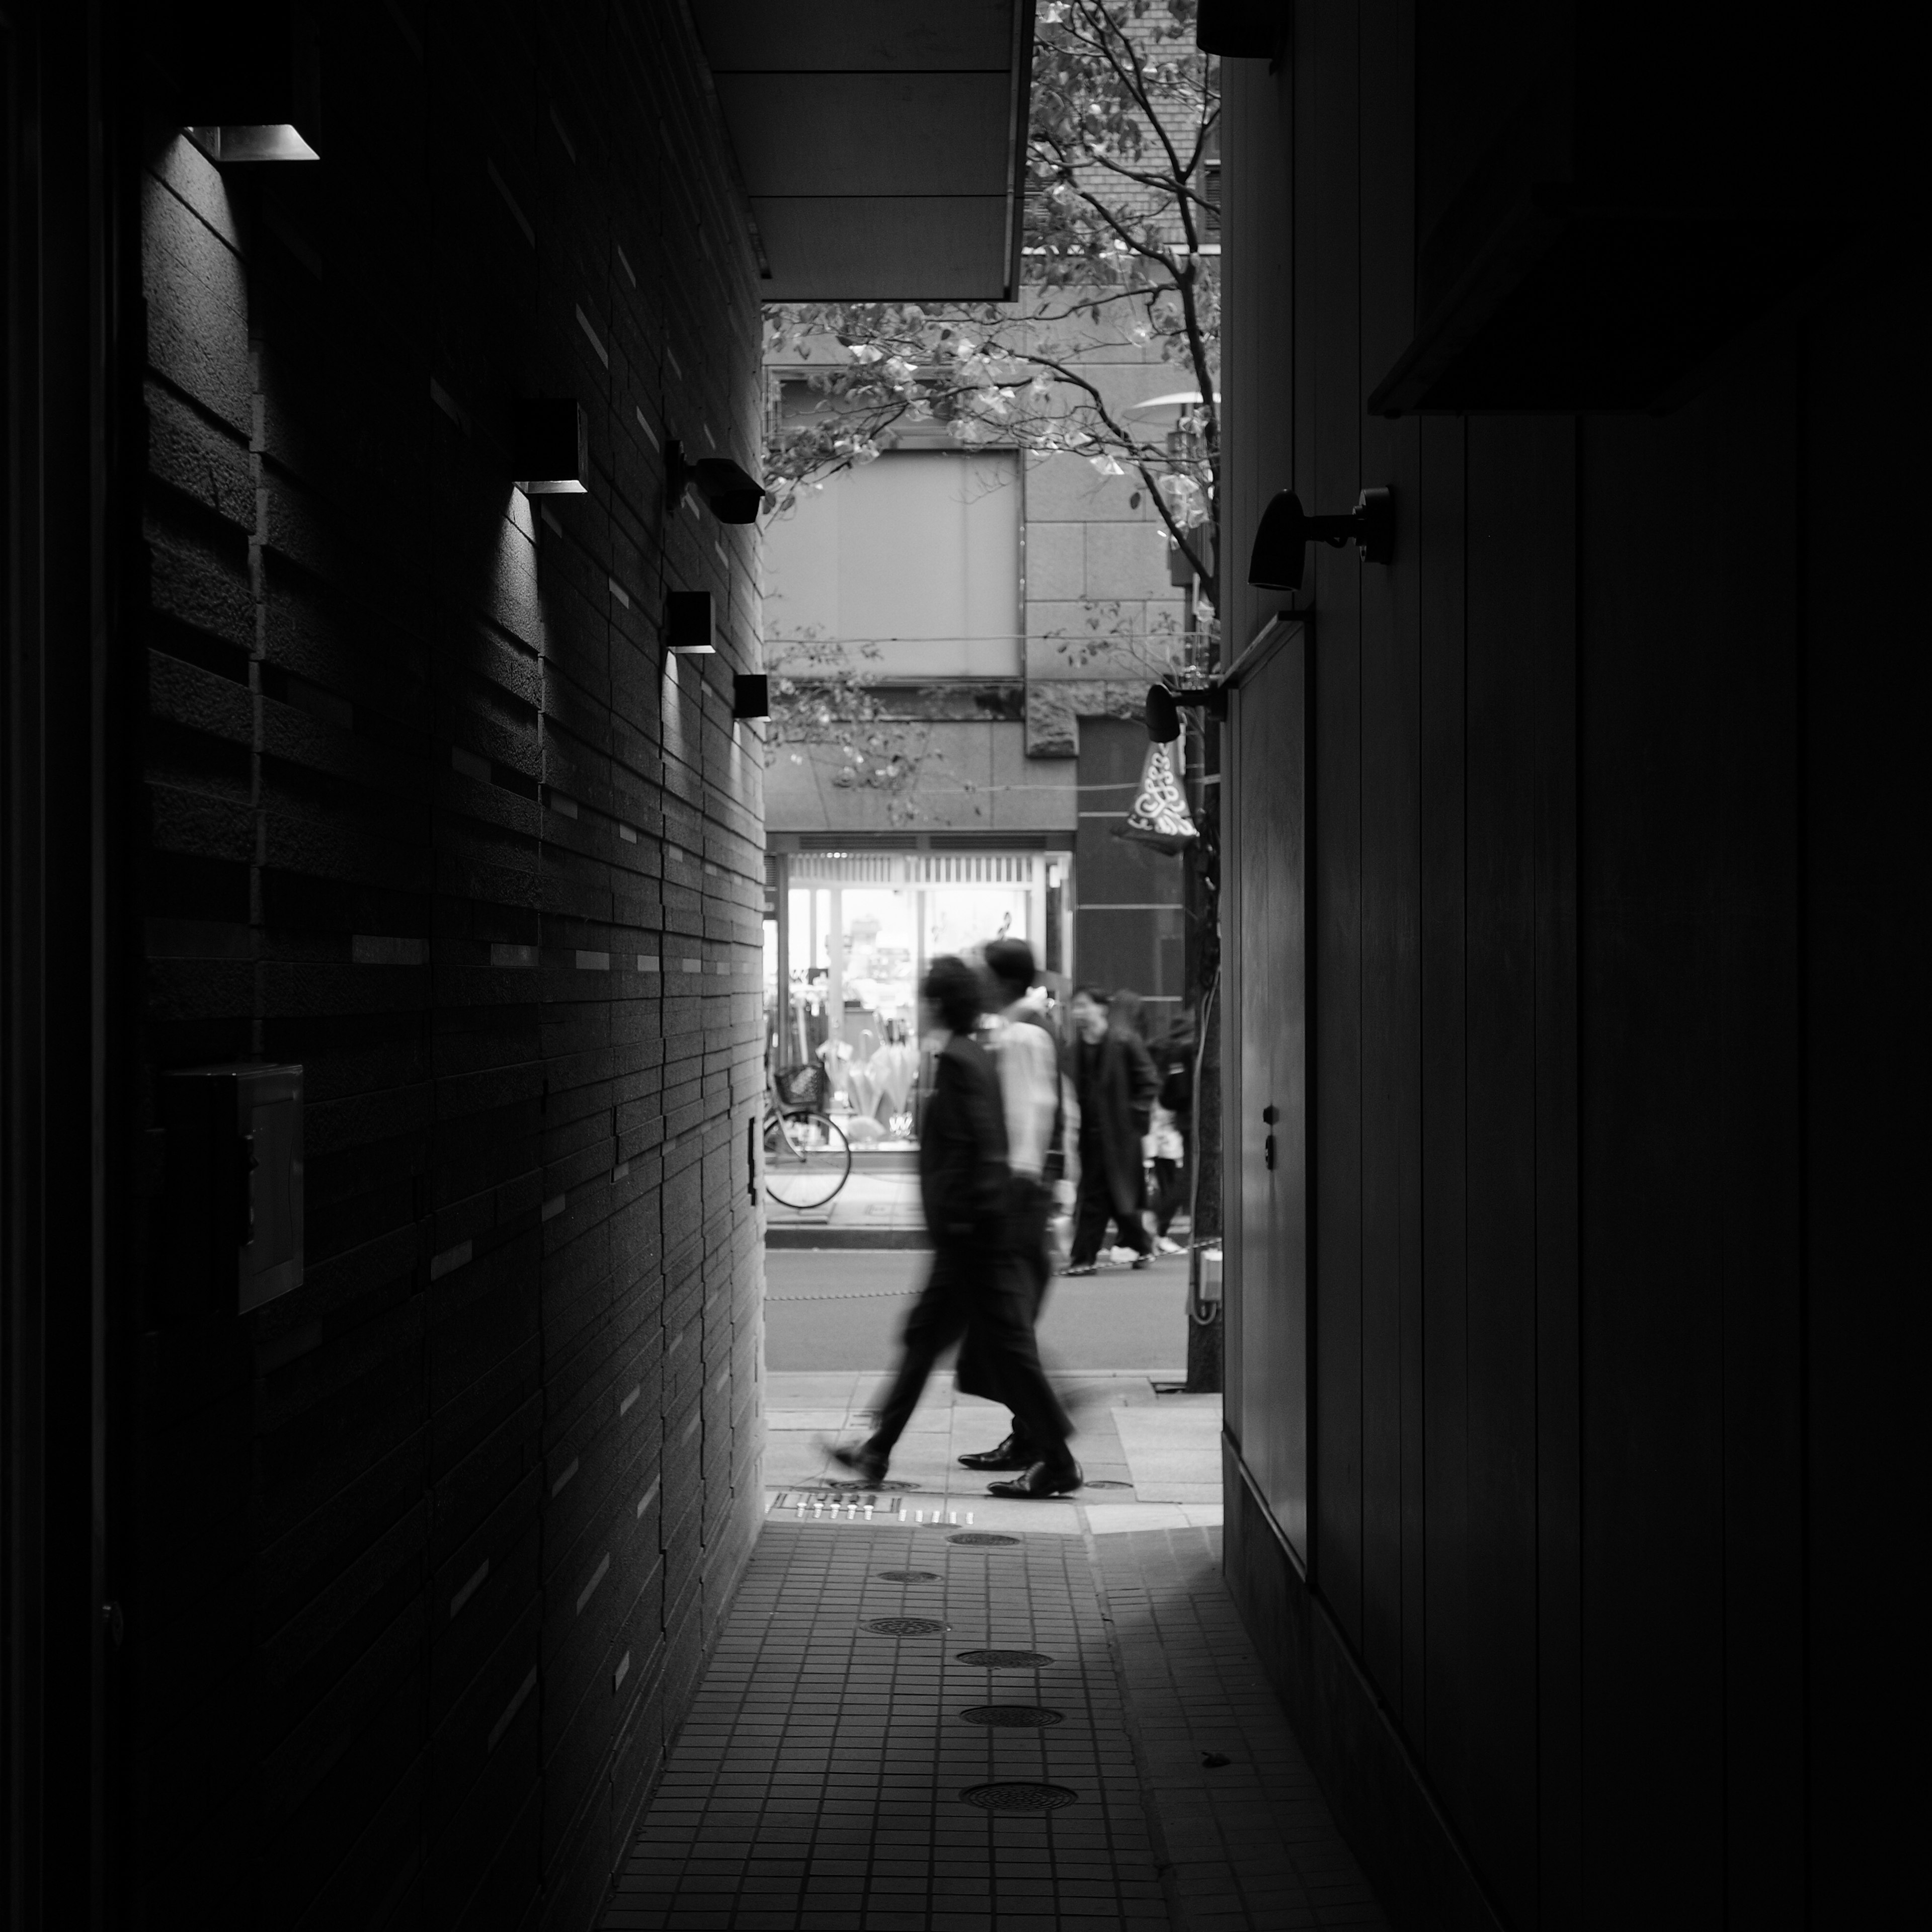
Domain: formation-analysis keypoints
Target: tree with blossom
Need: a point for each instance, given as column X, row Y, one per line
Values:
column 1120, row 213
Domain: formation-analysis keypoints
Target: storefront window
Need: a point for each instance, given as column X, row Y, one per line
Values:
column 855, row 950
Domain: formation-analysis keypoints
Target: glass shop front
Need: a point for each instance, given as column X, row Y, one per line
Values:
column 849, row 935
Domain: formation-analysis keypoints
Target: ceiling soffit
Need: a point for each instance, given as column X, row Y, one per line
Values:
column 880, row 145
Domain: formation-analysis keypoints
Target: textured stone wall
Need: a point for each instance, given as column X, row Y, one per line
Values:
column 433, row 1545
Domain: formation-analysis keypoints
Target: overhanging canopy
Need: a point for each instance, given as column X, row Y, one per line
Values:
column 881, row 142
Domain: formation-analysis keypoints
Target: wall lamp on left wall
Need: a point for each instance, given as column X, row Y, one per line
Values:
column 732, row 494
column 691, row 625
column 250, row 81
column 553, row 447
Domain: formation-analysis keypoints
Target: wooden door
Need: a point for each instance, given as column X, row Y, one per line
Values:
column 1265, row 1091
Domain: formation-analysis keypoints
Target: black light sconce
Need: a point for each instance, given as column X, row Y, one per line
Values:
column 251, row 80
column 751, row 694
column 552, row 448
column 732, row 495
column 691, row 627
column 1244, row 29
column 1280, row 552
column 1163, row 709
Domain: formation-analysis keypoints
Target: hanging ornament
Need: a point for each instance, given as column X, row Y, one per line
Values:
column 1159, row 818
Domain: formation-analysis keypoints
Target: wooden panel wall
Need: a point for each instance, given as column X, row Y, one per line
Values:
column 431, row 1548
column 1567, row 947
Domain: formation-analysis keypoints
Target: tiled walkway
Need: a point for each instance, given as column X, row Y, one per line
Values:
column 821, row 1779
column 1152, row 1461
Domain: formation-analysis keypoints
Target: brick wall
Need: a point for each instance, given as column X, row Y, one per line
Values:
column 430, row 1549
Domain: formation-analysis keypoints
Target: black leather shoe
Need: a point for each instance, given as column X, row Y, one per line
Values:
column 866, row 1463
column 1011, row 1454
column 1043, row 1479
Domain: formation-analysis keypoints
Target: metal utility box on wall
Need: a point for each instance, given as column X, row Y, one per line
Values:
column 234, row 1211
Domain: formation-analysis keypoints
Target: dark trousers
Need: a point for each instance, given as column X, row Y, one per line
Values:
column 982, row 1296
column 1029, row 1225
column 1095, row 1208
column 1170, row 1190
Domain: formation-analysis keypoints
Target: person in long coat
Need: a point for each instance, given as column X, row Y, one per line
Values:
column 975, row 1286
column 1114, row 1084
column 1027, row 1052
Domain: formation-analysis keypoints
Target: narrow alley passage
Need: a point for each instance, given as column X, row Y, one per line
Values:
column 1050, row 1716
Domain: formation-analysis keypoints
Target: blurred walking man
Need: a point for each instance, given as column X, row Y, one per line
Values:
column 975, row 1286
column 1113, row 1084
column 1029, row 1063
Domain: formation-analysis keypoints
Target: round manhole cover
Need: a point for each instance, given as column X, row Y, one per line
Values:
column 910, row 1576
column 904, row 1626
column 1005, row 1660
column 1104, row 1483
column 1018, row 1797
column 983, row 1539
column 1013, row 1716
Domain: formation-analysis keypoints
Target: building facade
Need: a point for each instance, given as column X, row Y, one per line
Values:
column 999, row 614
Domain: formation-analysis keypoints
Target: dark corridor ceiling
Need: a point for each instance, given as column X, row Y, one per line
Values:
column 880, row 141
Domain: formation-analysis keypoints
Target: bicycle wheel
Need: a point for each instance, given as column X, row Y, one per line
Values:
column 807, row 1158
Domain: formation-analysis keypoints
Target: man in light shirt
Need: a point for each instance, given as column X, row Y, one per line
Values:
column 1027, row 1057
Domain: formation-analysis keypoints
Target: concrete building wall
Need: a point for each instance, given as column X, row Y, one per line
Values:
column 431, row 1547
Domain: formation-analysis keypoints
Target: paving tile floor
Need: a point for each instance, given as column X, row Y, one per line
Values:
column 1137, row 1446
column 817, row 1781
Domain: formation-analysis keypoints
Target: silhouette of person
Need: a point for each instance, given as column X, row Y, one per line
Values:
column 1114, row 1083
column 975, row 1286
column 1026, row 1051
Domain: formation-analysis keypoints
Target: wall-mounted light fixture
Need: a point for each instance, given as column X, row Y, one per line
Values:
column 251, row 81
column 751, row 694
column 732, row 495
column 1163, row 714
column 1244, row 29
column 691, row 625
column 1280, row 553
column 552, row 448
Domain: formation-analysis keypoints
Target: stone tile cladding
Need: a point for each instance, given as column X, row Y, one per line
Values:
column 430, row 1551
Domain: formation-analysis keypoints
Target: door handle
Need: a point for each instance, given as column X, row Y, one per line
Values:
column 1270, row 1114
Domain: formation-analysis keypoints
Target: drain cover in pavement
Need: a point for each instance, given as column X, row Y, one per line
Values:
column 910, row 1576
column 1018, row 1797
column 846, row 1488
column 1014, row 1717
column 1005, row 1660
column 981, row 1539
column 1104, row 1483
column 904, row 1627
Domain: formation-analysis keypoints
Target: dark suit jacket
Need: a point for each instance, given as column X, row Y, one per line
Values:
column 963, row 1174
column 1115, row 1109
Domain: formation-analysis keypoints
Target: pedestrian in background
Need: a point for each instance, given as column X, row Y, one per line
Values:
column 1026, row 1054
column 975, row 1286
column 1167, row 1139
column 1113, row 1082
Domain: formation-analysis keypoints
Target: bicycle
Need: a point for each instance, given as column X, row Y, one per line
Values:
column 807, row 1156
